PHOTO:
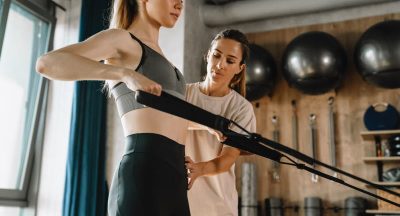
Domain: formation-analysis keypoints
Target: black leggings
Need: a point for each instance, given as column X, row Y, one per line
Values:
column 151, row 179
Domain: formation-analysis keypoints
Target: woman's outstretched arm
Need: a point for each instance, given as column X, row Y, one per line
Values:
column 81, row 61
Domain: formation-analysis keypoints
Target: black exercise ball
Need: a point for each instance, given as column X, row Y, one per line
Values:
column 260, row 74
column 377, row 54
column 314, row 63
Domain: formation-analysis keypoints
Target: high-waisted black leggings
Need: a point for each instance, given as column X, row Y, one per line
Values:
column 151, row 178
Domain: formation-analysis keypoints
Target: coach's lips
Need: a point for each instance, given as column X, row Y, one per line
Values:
column 175, row 15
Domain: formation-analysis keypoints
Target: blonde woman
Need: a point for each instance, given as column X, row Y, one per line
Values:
column 151, row 178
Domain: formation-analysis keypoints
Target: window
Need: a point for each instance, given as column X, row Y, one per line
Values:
column 25, row 32
column 10, row 211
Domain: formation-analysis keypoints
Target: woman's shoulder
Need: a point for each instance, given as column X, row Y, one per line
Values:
column 240, row 103
column 115, row 32
column 110, row 37
column 122, row 40
column 240, row 99
column 113, row 35
column 191, row 88
column 192, row 85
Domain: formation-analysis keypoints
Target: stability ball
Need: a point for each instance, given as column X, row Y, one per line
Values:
column 377, row 54
column 314, row 63
column 260, row 74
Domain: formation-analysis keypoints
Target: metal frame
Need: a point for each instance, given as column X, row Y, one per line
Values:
column 19, row 197
column 3, row 21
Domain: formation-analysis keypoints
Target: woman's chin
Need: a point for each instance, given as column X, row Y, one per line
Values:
column 217, row 76
column 216, row 79
column 170, row 24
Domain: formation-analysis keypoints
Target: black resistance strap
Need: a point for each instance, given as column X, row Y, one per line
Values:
column 250, row 142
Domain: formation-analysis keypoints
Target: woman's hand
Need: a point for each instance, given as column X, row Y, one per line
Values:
column 195, row 170
column 218, row 134
column 136, row 81
column 222, row 163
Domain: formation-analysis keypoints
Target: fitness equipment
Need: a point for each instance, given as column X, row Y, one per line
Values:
column 295, row 126
column 355, row 206
column 314, row 63
column 332, row 136
column 276, row 135
column 394, row 145
column 313, row 206
column 313, row 141
column 260, row 74
column 377, row 56
column 249, row 205
column 381, row 116
column 392, row 175
column 274, row 207
column 251, row 142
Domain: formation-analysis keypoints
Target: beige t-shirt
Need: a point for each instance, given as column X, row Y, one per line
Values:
column 215, row 195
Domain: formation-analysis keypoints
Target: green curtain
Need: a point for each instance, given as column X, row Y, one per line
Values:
column 85, row 192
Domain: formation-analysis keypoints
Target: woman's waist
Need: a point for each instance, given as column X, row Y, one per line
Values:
column 149, row 120
column 158, row 148
column 151, row 142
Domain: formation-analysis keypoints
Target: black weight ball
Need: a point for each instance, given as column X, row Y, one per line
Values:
column 377, row 54
column 314, row 63
column 260, row 74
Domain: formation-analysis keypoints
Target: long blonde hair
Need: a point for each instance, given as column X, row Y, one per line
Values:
column 123, row 13
column 238, row 82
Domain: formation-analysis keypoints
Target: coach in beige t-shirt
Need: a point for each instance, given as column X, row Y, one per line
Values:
column 215, row 195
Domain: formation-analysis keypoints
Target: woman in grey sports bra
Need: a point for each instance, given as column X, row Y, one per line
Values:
column 151, row 177
column 157, row 68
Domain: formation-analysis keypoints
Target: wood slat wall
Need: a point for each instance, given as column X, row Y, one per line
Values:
column 351, row 101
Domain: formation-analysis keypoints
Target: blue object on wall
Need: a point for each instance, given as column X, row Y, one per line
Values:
column 385, row 119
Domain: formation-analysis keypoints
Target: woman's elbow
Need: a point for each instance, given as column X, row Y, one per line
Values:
column 42, row 65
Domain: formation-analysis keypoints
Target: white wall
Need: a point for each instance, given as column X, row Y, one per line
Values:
column 55, row 147
column 172, row 41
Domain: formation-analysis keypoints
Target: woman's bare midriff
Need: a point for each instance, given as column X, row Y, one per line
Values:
column 148, row 120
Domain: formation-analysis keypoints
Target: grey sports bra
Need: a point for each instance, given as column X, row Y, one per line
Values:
column 155, row 67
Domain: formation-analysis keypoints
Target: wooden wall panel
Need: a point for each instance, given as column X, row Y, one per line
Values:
column 351, row 100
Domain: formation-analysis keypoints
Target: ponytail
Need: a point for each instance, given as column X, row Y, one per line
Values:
column 124, row 12
column 238, row 82
column 122, row 16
